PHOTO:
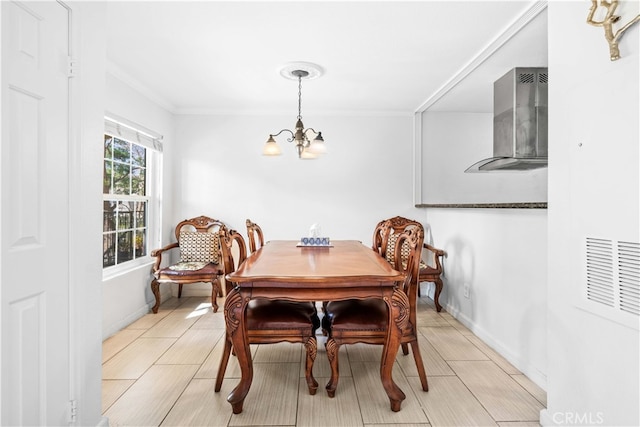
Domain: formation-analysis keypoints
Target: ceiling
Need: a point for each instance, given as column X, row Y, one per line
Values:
column 378, row 57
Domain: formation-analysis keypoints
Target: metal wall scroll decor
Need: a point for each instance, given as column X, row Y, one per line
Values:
column 607, row 23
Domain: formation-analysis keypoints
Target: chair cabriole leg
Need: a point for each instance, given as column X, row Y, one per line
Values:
column 224, row 360
column 332, row 354
column 312, row 349
column 417, row 357
column 436, row 295
column 155, row 288
column 214, row 293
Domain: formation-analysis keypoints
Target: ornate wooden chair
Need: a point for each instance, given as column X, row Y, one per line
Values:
column 254, row 231
column 430, row 260
column 366, row 321
column 198, row 242
column 268, row 321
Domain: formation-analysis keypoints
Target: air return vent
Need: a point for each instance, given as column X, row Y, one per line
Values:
column 543, row 78
column 613, row 276
column 600, row 287
column 629, row 276
column 527, row 77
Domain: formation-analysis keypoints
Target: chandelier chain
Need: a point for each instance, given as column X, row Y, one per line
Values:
column 300, row 97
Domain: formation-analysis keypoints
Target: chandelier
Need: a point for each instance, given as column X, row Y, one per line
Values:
column 307, row 145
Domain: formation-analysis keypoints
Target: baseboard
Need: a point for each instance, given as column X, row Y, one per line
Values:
column 132, row 317
column 104, row 422
column 533, row 373
column 545, row 419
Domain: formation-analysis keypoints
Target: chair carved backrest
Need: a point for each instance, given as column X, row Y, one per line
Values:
column 233, row 249
column 406, row 257
column 254, row 231
column 386, row 234
column 198, row 239
column 379, row 236
column 200, row 224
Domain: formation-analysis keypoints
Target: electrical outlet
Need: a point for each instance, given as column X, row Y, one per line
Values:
column 466, row 291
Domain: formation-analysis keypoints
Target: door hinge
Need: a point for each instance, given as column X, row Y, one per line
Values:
column 72, row 67
column 73, row 411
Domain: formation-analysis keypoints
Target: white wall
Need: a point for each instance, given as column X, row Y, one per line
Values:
column 128, row 296
column 88, row 95
column 365, row 176
column 594, row 190
column 501, row 255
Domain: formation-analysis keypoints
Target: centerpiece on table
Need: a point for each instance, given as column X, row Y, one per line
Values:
column 315, row 238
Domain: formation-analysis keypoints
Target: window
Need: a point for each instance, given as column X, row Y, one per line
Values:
column 128, row 195
column 125, row 201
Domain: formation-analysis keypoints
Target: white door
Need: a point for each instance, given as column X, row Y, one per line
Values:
column 34, row 258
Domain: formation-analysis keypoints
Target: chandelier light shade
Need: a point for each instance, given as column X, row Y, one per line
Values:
column 308, row 142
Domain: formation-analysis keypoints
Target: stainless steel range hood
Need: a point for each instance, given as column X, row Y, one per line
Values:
column 519, row 122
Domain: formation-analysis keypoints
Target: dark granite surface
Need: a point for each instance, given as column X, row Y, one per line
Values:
column 524, row 205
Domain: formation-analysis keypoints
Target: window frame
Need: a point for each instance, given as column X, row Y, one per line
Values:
column 131, row 133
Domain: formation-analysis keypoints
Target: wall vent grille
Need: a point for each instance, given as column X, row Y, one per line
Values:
column 543, row 78
column 613, row 274
column 629, row 276
column 527, row 77
column 600, row 284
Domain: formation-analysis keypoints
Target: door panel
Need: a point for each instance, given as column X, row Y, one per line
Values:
column 35, row 214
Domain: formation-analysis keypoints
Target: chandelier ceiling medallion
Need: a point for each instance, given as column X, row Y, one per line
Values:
column 309, row 142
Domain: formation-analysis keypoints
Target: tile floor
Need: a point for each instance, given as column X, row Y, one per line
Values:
column 160, row 371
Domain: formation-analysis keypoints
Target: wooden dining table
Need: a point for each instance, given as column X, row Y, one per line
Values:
column 281, row 270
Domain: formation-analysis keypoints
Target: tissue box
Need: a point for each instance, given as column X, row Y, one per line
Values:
column 315, row 241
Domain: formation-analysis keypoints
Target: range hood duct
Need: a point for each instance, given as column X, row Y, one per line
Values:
column 519, row 122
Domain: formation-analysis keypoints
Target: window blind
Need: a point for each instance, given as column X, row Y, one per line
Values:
column 132, row 132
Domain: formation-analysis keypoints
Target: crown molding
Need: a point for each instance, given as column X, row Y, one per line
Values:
column 135, row 84
column 310, row 115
